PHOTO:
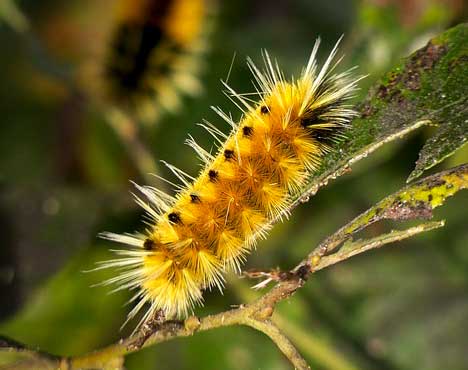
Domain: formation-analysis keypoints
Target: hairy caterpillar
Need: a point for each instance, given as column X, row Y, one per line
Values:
column 150, row 53
column 214, row 220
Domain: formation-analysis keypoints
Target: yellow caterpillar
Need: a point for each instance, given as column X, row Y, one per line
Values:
column 214, row 220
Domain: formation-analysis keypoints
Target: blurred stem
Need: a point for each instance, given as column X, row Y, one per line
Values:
column 128, row 132
column 308, row 342
column 284, row 344
column 319, row 351
column 126, row 128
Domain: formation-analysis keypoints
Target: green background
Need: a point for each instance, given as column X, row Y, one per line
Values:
column 64, row 178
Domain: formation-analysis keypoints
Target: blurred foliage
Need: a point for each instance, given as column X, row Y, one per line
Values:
column 10, row 14
column 64, row 178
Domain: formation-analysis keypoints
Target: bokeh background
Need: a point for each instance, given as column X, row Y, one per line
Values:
column 64, row 177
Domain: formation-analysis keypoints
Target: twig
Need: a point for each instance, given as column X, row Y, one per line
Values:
column 309, row 342
column 351, row 249
column 256, row 315
column 282, row 342
column 414, row 201
column 10, row 13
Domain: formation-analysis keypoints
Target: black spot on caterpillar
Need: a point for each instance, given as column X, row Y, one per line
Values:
column 228, row 154
column 148, row 244
column 195, row 198
column 213, row 175
column 174, row 218
column 151, row 55
column 247, row 131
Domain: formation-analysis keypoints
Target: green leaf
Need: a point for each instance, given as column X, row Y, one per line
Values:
column 444, row 92
column 68, row 304
column 428, row 87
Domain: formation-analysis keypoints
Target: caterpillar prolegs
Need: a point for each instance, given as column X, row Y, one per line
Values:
column 214, row 220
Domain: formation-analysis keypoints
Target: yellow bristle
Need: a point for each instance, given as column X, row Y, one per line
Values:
column 205, row 266
column 231, row 249
column 307, row 151
column 250, row 221
column 166, row 233
column 261, row 167
column 228, row 170
column 188, row 210
column 178, row 286
column 271, row 198
column 290, row 173
column 156, row 267
column 206, row 190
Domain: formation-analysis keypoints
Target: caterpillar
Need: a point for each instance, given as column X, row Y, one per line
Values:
column 215, row 219
column 150, row 53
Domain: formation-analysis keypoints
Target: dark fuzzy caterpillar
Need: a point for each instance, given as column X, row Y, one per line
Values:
column 152, row 54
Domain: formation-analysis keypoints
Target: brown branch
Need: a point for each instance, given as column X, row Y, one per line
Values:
column 256, row 315
column 351, row 249
column 415, row 201
column 282, row 342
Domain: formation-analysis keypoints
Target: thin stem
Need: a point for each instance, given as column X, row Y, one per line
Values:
column 282, row 342
column 310, row 343
column 259, row 310
column 351, row 249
